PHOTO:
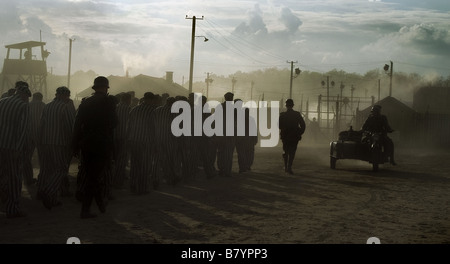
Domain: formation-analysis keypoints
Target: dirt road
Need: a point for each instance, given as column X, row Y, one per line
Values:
column 405, row 204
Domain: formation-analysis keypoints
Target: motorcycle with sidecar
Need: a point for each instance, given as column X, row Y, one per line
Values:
column 359, row 145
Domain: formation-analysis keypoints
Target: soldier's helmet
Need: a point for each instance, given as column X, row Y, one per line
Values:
column 376, row 109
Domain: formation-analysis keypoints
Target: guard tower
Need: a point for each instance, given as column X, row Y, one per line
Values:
column 21, row 64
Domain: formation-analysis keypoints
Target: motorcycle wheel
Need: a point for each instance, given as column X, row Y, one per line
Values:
column 333, row 162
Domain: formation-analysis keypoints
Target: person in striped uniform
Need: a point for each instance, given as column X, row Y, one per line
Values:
column 93, row 139
column 166, row 143
column 141, row 140
column 226, row 143
column 14, row 130
column 36, row 107
column 206, row 146
column 55, row 135
column 245, row 144
column 187, row 146
column 120, row 139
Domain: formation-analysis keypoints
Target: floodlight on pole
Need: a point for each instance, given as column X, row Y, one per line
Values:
column 297, row 72
column 205, row 38
column 389, row 71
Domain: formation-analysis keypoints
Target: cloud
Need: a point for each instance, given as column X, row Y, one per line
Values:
column 424, row 39
column 291, row 21
column 151, row 37
column 255, row 24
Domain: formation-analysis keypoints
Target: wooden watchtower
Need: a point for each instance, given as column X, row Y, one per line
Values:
column 23, row 64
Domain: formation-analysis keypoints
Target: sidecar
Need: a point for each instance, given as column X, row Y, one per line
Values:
column 352, row 145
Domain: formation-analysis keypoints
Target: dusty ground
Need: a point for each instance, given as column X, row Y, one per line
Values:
column 406, row 204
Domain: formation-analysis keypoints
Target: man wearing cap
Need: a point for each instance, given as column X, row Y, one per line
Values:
column 140, row 135
column 93, row 134
column 55, row 135
column 226, row 143
column 376, row 122
column 14, row 135
column 292, row 126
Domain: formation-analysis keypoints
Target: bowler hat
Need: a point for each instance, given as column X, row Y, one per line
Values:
column 290, row 102
column 100, row 82
column 229, row 96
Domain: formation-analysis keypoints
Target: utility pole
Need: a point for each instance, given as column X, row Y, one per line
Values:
column 191, row 68
column 351, row 100
column 233, row 83
column 208, row 81
column 292, row 77
column 251, row 90
column 328, row 99
column 70, row 60
column 328, row 103
column 390, row 76
column 390, row 69
column 379, row 90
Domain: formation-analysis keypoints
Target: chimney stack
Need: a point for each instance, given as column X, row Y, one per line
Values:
column 169, row 77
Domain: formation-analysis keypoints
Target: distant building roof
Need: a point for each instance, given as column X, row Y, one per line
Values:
column 389, row 104
column 140, row 84
column 400, row 116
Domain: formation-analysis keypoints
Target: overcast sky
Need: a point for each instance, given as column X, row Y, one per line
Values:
column 152, row 37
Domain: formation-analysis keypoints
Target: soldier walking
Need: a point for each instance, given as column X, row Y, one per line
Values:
column 93, row 141
column 292, row 126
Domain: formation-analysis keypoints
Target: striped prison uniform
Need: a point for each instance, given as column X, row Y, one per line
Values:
column 14, row 130
column 120, row 145
column 36, row 108
column 188, row 148
column 168, row 156
column 55, row 135
column 207, row 151
column 93, row 134
column 225, row 148
column 141, row 139
column 245, row 145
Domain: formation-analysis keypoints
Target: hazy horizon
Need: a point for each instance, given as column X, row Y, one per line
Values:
column 152, row 37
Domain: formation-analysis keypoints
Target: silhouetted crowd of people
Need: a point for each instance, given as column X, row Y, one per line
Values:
column 106, row 134
column 109, row 133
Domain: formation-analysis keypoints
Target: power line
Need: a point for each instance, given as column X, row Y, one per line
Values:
column 247, row 43
column 422, row 66
column 235, row 41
